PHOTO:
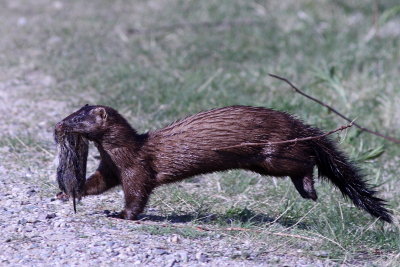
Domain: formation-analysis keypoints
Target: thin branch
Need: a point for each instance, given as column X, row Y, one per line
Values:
column 389, row 138
column 288, row 141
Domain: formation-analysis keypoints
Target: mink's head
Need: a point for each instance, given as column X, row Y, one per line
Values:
column 90, row 121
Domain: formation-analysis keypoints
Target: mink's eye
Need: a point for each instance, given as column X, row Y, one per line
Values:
column 78, row 118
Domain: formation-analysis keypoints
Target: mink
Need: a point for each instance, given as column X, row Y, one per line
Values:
column 208, row 142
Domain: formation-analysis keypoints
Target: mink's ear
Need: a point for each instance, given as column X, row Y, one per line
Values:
column 100, row 112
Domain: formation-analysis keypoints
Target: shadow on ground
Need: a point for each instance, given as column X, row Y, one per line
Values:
column 259, row 219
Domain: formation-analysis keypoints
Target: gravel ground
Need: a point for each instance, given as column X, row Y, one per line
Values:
column 39, row 230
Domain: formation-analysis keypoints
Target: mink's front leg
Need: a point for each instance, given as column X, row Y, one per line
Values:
column 137, row 189
column 101, row 180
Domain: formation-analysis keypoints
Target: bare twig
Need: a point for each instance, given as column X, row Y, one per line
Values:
column 288, row 141
column 389, row 138
column 329, row 239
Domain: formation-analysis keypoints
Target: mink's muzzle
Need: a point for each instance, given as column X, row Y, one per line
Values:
column 59, row 127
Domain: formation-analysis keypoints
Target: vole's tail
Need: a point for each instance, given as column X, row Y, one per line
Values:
column 335, row 166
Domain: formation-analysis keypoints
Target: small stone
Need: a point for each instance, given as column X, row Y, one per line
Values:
column 114, row 253
column 245, row 255
column 160, row 251
column 110, row 243
column 183, row 255
column 321, row 253
column 201, row 257
column 174, row 239
column 30, row 192
column 51, row 216
column 22, row 21
column 60, row 224
column 129, row 250
column 22, row 221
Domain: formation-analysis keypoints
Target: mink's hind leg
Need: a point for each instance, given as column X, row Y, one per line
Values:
column 101, row 180
column 305, row 186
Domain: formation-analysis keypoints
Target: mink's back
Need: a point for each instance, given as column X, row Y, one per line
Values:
column 187, row 147
column 226, row 122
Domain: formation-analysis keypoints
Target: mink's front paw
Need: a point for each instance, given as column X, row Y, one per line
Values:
column 114, row 214
column 62, row 196
column 129, row 215
column 120, row 215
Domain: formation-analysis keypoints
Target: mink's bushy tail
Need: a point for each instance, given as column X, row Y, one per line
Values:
column 335, row 166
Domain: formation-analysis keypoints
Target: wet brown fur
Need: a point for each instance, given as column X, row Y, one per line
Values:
column 72, row 155
column 141, row 162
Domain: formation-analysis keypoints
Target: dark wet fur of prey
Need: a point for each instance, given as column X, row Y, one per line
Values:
column 71, row 171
